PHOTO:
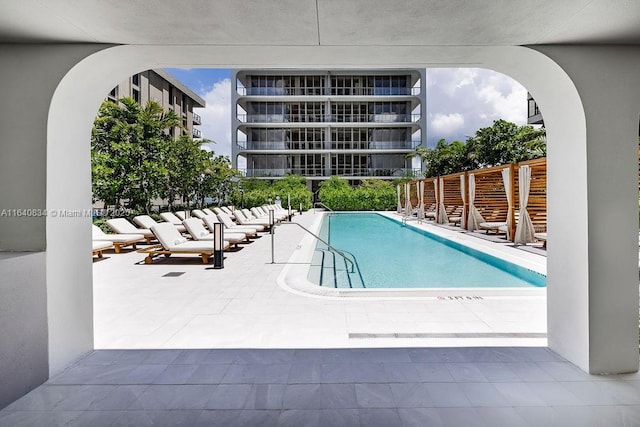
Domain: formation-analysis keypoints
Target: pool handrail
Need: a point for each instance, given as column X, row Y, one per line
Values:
column 337, row 251
column 323, row 205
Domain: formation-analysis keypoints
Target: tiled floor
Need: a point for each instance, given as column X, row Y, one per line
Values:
column 499, row 386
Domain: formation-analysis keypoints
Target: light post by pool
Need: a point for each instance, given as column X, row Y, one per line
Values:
column 218, row 245
column 271, row 230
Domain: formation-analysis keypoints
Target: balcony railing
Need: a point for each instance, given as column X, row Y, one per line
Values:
column 332, row 91
column 329, row 118
column 197, row 120
column 340, row 171
column 335, row 145
column 196, row 133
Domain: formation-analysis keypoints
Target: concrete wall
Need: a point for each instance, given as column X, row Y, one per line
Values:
column 54, row 92
column 29, row 75
column 23, row 324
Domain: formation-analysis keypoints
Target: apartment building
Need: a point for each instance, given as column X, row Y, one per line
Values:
column 161, row 87
column 534, row 116
column 356, row 124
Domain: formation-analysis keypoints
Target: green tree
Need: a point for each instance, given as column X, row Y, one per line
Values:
column 185, row 164
column 444, row 158
column 217, row 180
column 135, row 159
column 504, row 142
column 130, row 146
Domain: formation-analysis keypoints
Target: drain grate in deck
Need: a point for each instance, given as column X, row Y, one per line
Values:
column 174, row 274
column 449, row 335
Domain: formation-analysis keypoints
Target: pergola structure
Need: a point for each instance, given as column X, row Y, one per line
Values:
column 580, row 61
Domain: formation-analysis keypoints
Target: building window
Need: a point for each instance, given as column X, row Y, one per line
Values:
column 184, row 103
column 135, row 94
column 114, row 93
column 171, row 99
column 533, row 108
column 135, row 79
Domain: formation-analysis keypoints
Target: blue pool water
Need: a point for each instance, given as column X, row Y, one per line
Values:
column 391, row 255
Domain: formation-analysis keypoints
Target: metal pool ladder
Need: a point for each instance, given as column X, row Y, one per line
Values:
column 350, row 262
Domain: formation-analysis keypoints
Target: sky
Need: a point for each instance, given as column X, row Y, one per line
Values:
column 459, row 102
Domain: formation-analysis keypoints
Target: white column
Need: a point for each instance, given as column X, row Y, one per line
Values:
column 593, row 223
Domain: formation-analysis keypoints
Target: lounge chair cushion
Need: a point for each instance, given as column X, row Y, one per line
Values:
column 169, row 236
column 122, row 226
column 98, row 245
column 98, row 234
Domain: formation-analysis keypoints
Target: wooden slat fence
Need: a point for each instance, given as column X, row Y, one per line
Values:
column 491, row 198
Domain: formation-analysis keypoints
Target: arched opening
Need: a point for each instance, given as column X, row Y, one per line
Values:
column 68, row 177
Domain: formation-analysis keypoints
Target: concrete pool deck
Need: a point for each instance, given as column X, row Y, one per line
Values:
column 246, row 305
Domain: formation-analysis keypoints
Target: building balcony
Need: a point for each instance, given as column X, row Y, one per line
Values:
column 319, row 146
column 332, row 91
column 196, row 133
column 329, row 118
column 339, row 171
column 197, row 120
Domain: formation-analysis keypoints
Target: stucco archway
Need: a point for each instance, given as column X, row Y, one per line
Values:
column 572, row 310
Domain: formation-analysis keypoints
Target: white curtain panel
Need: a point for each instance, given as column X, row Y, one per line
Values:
column 524, row 229
column 408, row 209
column 474, row 218
column 442, row 212
column 420, row 188
column 399, row 208
column 463, row 194
column 506, row 180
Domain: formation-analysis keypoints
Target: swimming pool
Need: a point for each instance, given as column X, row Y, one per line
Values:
column 392, row 255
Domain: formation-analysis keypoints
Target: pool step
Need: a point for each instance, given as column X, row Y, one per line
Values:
column 331, row 270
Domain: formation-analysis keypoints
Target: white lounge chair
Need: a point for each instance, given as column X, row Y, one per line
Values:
column 497, row 226
column 170, row 217
column 122, row 226
column 198, row 213
column 249, row 232
column 280, row 209
column 195, row 227
column 119, row 241
column 145, row 221
column 263, row 212
column 101, row 245
column 172, row 242
column 224, row 210
column 182, row 215
column 224, row 218
column 543, row 238
column 242, row 220
column 227, row 210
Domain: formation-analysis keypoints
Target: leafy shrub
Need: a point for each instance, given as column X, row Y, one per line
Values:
column 259, row 192
column 372, row 194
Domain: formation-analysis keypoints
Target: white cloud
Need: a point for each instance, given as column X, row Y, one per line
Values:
column 447, row 124
column 216, row 117
column 475, row 95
